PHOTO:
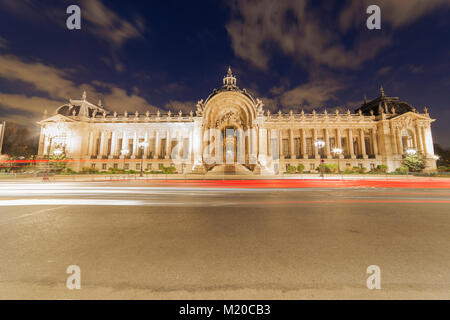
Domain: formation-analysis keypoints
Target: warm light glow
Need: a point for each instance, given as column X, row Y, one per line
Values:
column 57, row 152
column 143, row 144
column 436, row 157
column 411, row 152
column 337, row 150
column 319, row 143
column 124, row 151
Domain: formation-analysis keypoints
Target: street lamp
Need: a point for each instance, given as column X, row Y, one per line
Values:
column 338, row 152
column 142, row 146
column 319, row 145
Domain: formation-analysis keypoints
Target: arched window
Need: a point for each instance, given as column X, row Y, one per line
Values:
column 407, row 139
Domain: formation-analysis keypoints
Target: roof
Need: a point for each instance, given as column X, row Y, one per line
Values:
column 385, row 104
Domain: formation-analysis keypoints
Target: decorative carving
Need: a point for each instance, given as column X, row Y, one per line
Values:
column 230, row 118
column 259, row 107
column 200, row 107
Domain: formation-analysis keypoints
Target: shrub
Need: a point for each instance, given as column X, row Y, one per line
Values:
column 291, row 169
column 300, row 168
column 168, row 170
column 382, row 168
column 415, row 162
column 86, row 170
column 401, row 170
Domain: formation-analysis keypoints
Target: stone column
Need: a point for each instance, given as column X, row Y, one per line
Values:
column 113, row 145
column 254, row 146
column 304, row 153
column 425, row 149
column 291, row 143
column 394, row 140
column 91, row 144
column 262, row 152
column 145, row 154
column 168, row 143
column 374, row 142
column 399, row 141
column 314, row 138
column 156, row 155
column 339, row 142
column 134, row 151
column 102, row 144
column 327, row 144
column 419, row 138
column 269, row 142
column 124, row 144
column 350, row 144
column 363, row 143
column 280, row 143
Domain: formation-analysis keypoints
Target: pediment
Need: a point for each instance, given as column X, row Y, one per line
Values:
column 412, row 116
column 56, row 118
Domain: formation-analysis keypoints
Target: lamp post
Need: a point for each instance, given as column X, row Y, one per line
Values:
column 142, row 146
column 338, row 152
column 319, row 145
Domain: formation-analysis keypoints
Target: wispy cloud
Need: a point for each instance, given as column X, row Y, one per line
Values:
column 52, row 87
column 3, row 43
column 258, row 29
column 107, row 25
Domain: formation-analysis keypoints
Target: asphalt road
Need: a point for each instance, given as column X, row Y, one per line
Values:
column 136, row 240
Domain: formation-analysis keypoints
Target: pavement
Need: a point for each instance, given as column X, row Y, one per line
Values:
column 225, row 239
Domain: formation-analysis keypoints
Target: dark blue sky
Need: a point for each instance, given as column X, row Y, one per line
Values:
column 143, row 55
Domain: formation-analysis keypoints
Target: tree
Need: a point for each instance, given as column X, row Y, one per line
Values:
column 415, row 162
column 444, row 155
column 18, row 142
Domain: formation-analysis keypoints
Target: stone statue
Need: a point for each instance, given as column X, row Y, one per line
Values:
column 259, row 107
column 200, row 107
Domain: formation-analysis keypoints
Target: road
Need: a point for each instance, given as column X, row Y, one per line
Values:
column 156, row 240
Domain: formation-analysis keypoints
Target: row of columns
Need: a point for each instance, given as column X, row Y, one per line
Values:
column 418, row 138
column 115, row 149
column 326, row 137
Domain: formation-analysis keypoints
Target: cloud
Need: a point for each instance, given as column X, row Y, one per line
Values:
column 184, row 106
column 310, row 95
column 52, row 88
column 301, row 30
column 383, row 71
column 398, row 13
column 3, row 43
column 107, row 25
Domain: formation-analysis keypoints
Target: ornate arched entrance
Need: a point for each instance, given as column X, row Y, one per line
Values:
column 230, row 112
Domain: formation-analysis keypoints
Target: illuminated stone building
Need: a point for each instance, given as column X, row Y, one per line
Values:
column 230, row 132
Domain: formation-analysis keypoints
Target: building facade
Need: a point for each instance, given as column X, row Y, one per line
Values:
column 230, row 132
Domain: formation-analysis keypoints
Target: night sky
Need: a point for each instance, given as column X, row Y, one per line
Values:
column 148, row 55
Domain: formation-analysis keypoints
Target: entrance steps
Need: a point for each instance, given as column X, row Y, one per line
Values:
column 229, row 169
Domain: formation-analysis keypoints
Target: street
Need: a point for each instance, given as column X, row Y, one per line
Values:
column 163, row 240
